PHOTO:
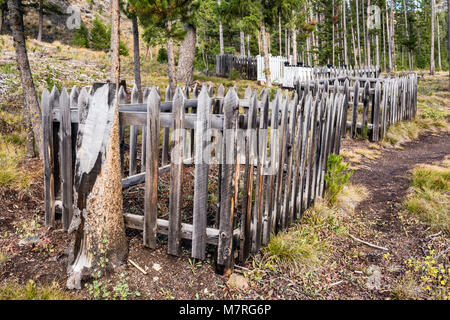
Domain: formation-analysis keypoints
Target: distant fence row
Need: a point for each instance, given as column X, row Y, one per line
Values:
column 271, row 155
column 245, row 66
column 281, row 73
column 373, row 103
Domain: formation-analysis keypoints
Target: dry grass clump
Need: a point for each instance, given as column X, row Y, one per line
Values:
column 12, row 150
column 429, row 196
column 307, row 243
column 31, row 291
column 370, row 154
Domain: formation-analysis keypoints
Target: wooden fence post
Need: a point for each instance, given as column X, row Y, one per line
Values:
column 376, row 112
column 306, row 127
column 133, row 134
column 66, row 159
column 54, row 104
column 355, row 109
column 262, row 149
column 122, row 100
column 49, row 177
column 250, row 157
column 151, row 173
column 176, row 174
column 268, row 213
column 365, row 118
column 201, row 175
column 286, row 213
column 228, row 158
column 144, row 133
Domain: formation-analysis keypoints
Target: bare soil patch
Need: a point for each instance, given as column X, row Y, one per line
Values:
column 376, row 220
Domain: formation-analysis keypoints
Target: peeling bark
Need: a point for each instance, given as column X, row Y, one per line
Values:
column 98, row 218
column 185, row 72
column 171, row 60
column 33, row 110
column 136, row 56
column 115, row 39
column 41, row 19
column 265, row 50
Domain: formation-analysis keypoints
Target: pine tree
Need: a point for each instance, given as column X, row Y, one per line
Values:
column 168, row 15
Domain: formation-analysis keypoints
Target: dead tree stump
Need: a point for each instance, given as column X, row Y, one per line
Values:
column 97, row 222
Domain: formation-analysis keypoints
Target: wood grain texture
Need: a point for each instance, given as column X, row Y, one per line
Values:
column 152, row 170
column 227, row 200
column 176, row 175
column 201, row 176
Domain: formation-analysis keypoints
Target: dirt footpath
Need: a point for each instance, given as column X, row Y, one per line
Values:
column 378, row 220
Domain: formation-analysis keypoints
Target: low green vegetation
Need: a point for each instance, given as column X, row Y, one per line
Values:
column 103, row 289
column 12, row 150
column 98, row 38
column 32, row 291
column 429, row 196
column 337, row 176
column 424, row 277
column 307, row 243
column 428, row 202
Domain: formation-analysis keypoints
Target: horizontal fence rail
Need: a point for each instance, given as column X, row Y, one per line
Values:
column 264, row 158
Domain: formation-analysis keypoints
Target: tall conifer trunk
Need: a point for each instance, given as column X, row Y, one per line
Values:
column 32, row 108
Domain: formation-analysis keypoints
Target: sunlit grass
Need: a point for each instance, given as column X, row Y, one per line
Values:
column 12, row 151
column 307, row 243
column 429, row 196
column 32, row 291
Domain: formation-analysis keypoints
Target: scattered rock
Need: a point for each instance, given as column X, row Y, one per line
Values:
column 238, row 281
column 374, row 280
column 29, row 240
column 156, row 267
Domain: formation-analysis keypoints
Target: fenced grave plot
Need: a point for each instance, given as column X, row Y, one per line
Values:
column 267, row 159
column 246, row 67
column 373, row 103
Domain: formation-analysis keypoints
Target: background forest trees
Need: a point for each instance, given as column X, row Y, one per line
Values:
column 319, row 32
column 407, row 35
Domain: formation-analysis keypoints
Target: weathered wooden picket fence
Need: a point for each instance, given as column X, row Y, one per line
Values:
column 281, row 73
column 276, row 69
column 384, row 101
column 270, row 156
column 271, row 161
column 246, row 66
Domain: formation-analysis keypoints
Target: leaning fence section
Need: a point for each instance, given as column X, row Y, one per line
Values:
column 256, row 163
column 373, row 104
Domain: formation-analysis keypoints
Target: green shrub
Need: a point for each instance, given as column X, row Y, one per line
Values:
column 336, row 177
column 31, row 291
column 123, row 49
column 99, row 35
column 235, row 75
column 81, row 37
column 162, row 55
